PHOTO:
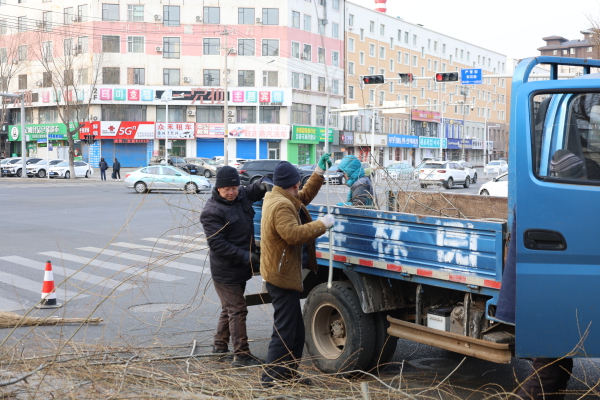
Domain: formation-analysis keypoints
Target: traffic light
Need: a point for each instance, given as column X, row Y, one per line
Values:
column 89, row 139
column 373, row 79
column 446, row 76
column 405, row 78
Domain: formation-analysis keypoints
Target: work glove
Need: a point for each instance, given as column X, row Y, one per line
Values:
column 266, row 184
column 327, row 220
column 324, row 164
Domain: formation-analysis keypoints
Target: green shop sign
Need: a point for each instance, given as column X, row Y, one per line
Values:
column 310, row 134
column 39, row 131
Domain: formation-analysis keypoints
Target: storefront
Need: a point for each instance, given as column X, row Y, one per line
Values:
column 425, row 124
column 305, row 142
column 346, row 143
column 429, row 147
column 362, row 147
column 180, row 138
column 402, row 148
column 38, row 136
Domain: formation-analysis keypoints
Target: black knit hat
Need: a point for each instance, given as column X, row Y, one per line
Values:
column 227, row 176
column 565, row 164
column 285, row 175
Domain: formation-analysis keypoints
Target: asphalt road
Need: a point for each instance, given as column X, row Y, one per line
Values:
column 139, row 262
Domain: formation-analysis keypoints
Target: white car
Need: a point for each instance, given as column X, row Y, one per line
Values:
column 470, row 170
column 40, row 168
column 496, row 187
column 13, row 166
column 443, row 173
column 61, row 170
column 496, row 167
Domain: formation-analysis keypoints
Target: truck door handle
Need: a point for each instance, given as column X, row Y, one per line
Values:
column 543, row 239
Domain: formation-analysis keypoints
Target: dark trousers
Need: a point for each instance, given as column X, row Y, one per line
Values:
column 549, row 380
column 117, row 174
column 287, row 340
column 103, row 174
column 232, row 321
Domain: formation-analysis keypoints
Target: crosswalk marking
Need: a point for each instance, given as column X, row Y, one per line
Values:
column 113, row 266
column 149, row 260
column 172, row 242
column 9, row 305
column 200, row 255
column 73, row 274
column 189, row 238
column 36, row 287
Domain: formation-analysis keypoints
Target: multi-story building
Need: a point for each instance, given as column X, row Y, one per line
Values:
column 109, row 64
column 558, row 46
column 425, row 110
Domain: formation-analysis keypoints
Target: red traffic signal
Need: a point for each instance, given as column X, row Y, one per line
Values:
column 446, row 76
column 373, row 79
column 405, row 78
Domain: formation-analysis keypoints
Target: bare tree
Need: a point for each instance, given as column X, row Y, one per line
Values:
column 71, row 63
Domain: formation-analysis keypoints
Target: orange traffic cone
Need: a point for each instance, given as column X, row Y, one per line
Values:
column 48, row 290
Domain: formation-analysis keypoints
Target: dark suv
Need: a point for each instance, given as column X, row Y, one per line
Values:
column 176, row 162
column 253, row 170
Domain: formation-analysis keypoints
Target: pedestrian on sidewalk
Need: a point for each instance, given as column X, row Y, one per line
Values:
column 103, row 167
column 288, row 245
column 117, row 170
column 228, row 222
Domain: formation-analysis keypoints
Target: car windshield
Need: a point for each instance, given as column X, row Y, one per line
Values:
column 16, row 160
column 62, row 164
column 432, row 165
column 42, row 162
column 495, row 163
column 397, row 166
column 55, row 162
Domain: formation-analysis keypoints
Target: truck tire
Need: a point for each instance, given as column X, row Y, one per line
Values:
column 385, row 345
column 339, row 335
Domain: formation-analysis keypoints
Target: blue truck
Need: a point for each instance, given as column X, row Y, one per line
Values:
column 429, row 268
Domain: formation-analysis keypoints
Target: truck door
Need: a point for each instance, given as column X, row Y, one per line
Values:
column 555, row 184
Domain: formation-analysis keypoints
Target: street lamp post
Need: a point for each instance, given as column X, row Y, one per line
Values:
column 442, row 127
column 485, row 147
column 373, row 129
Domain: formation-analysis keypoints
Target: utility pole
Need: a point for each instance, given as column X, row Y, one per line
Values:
column 464, row 91
column 226, row 106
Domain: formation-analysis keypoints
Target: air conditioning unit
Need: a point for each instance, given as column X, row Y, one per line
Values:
column 304, row 56
column 157, row 17
column 39, row 83
column 186, row 79
column 198, row 18
column 15, row 61
column 258, row 21
column 158, row 48
column 191, row 112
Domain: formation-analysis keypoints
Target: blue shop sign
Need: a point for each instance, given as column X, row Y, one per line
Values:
column 427, row 142
column 403, row 141
column 454, row 143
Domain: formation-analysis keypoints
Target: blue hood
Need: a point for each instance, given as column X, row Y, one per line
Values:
column 351, row 166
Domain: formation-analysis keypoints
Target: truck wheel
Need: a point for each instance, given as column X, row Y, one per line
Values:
column 385, row 345
column 339, row 335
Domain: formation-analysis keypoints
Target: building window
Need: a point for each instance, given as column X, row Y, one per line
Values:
column 295, row 50
column 135, row 13
column 350, row 68
column 335, row 86
column 246, row 16
column 381, row 30
column 212, row 15
column 68, row 15
column 111, row 44
column 371, row 50
column 351, row 45
column 111, row 75
column 211, row 77
column 361, row 58
column 110, row 12
column 209, row 114
column 270, row 47
column 135, row 44
column 246, row 78
column 301, row 114
column 246, row 47
column 46, row 22
column 4, row 26
column 351, row 92
column 335, row 58
column 83, row 74
column 123, row 112
column 335, row 30
column 136, row 76
column 406, row 59
column 22, row 24
column 414, row 40
column 321, row 111
column 307, row 22
column 362, row 35
column 270, row 78
column 68, row 78
column 382, row 52
column 82, row 13
column 269, row 114
column 68, row 47
column 321, row 84
column 589, row 49
column 22, row 82
column 295, row 80
column 211, row 46
column 82, row 44
column 335, row 4
column 307, row 80
column 176, row 114
column 245, row 115
column 372, row 26
column 321, row 55
column 46, row 50
column 350, row 20
column 414, row 61
column 565, row 52
column 307, row 52
column 321, row 27
column 172, row 47
column 572, row 50
column 270, row 16
column 171, row 76
column 295, row 19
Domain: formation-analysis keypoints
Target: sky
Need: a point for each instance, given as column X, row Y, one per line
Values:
column 514, row 28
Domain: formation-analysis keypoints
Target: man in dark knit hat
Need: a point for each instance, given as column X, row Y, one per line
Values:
column 228, row 224
column 288, row 236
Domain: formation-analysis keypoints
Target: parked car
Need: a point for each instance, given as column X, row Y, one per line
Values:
column 443, row 173
column 13, row 166
column 307, row 167
column 335, row 175
column 496, row 167
column 496, row 187
column 205, row 166
column 40, row 168
column 470, row 170
column 3, row 163
column 61, row 170
column 175, row 161
column 165, row 177
column 400, row 171
column 256, row 169
column 236, row 162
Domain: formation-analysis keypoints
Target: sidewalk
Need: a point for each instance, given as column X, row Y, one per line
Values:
column 94, row 178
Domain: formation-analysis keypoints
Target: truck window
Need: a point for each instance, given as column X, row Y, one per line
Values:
column 566, row 137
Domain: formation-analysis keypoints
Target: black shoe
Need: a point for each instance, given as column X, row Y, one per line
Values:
column 246, row 360
column 226, row 354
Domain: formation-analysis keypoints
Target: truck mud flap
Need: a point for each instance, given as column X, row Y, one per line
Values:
column 494, row 352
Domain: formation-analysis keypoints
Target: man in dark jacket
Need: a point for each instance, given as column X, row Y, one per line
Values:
column 117, row 170
column 103, row 165
column 228, row 223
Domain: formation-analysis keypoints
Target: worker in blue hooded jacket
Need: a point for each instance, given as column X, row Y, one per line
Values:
column 361, row 188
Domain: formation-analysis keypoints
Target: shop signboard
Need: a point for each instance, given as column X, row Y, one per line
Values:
column 467, row 144
column 453, row 143
column 427, row 142
column 347, row 137
column 175, row 130
column 310, row 134
column 477, row 144
column 403, row 141
column 425, row 115
column 264, row 131
column 122, row 131
column 33, row 132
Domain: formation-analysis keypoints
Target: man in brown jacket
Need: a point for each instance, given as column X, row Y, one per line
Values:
column 287, row 246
